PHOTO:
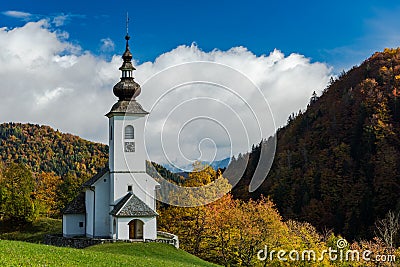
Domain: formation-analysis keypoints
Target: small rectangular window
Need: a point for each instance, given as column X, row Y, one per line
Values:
column 80, row 224
column 130, row 188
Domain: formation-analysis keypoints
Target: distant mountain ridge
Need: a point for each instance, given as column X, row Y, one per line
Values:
column 218, row 164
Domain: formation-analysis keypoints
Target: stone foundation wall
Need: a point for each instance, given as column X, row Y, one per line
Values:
column 83, row 242
column 74, row 242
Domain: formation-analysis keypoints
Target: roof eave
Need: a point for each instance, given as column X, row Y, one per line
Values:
column 113, row 113
column 130, row 216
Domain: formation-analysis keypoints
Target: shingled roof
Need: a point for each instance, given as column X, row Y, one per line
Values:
column 94, row 179
column 77, row 205
column 123, row 107
column 131, row 206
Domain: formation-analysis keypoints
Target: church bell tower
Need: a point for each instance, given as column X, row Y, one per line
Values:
column 119, row 202
column 127, row 153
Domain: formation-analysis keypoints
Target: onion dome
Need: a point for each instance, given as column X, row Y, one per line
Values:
column 127, row 89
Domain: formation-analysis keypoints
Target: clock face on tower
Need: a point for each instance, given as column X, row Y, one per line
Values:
column 129, row 146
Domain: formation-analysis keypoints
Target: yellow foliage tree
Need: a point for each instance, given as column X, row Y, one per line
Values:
column 46, row 193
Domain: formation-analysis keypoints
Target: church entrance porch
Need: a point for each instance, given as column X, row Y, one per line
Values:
column 135, row 229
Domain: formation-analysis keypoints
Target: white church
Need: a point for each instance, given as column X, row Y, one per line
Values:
column 119, row 201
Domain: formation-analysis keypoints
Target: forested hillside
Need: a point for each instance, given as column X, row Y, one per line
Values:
column 337, row 163
column 51, row 168
column 45, row 149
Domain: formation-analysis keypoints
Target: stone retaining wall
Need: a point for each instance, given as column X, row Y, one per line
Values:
column 73, row 242
column 83, row 242
column 170, row 238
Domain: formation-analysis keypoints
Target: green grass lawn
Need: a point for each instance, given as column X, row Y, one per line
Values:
column 33, row 232
column 17, row 253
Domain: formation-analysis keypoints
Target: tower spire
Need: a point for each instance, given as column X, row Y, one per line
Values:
column 127, row 37
column 127, row 23
column 127, row 88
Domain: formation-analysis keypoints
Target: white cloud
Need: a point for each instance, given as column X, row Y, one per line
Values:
column 287, row 82
column 47, row 80
column 17, row 14
column 60, row 20
column 107, row 45
column 51, row 95
column 56, row 19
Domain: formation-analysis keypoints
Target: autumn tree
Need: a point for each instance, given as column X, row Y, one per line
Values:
column 17, row 185
column 68, row 189
column 220, row 233
column 258, row 224
column 189, row 222
column 46, row 193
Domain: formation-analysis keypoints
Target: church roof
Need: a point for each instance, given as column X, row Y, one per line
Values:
column 124, row 107
column 96, row 177
column 130, row 206
column 77, row 205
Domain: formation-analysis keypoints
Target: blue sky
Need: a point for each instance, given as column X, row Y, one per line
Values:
column 340, row 33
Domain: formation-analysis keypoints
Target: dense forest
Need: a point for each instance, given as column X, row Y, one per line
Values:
column 44, row 149
column 337, row 163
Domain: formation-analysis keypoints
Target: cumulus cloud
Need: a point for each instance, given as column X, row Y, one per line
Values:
column 238, row 112
column 47, row 80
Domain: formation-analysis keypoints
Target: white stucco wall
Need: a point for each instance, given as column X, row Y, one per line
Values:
column 89, row 202
column 142, row 184
column 71, row 225
column 128, row 168
column 102, row 206
column 149, row 227
column 118, row 158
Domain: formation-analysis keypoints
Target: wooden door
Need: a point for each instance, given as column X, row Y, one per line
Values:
column 132, row 229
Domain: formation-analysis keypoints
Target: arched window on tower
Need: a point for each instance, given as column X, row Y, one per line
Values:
column 129, row 132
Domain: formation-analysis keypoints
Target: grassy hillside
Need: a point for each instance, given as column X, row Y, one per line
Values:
column 16, row 253
column 32, row 232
